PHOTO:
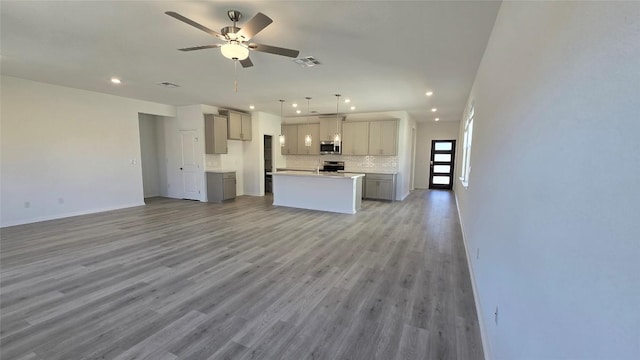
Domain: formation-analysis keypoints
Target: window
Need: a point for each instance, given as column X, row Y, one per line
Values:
column 466, row 148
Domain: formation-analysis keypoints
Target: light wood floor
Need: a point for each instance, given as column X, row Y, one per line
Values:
column 180, row 279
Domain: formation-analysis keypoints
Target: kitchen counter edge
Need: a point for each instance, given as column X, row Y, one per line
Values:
column 314, row 174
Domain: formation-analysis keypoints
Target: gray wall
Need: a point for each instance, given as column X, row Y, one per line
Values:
column 553, row 203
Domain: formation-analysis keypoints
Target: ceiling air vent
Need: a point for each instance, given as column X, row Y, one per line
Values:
column 307, row 61
column 169, row 85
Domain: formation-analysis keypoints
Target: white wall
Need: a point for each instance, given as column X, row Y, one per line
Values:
column 405, row 146
column 68, row 151
column 553, row 203
column 234, row 161
column 149, row 155
column 426, row 132
column 262, row 124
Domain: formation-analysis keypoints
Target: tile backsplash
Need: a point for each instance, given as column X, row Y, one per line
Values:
column 351, row 163
column 212, row 162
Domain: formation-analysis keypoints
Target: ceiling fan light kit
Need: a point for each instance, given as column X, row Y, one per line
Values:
column 234, row 51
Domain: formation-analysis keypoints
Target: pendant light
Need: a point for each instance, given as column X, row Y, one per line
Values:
column 336, row 137
column 307, row 138
column 281, row 138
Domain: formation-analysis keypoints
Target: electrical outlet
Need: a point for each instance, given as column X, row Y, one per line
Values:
column 495, row 316
column 27, row 204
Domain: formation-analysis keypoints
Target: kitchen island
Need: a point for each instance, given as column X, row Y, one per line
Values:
column 334, row 192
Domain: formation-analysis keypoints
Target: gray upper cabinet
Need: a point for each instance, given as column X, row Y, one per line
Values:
column 328, row 128
column 355, row 138
column 290, row 132
column 294, row 139
column 239, row 126
column 383, row 136
column 314, row 131
column 215, row 134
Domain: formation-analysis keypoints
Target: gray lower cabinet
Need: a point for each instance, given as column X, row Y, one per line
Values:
column 380, row 187
column 221, row 186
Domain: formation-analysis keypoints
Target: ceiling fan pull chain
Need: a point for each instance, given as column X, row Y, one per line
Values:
column 235, row 75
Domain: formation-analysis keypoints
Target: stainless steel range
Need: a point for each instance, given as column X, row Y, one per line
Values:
column 332, row 166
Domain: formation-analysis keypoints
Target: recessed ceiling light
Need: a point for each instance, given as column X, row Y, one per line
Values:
column 298, row 111
column 347, row 101
column 294, row 105
column 434, row 110
column 437, row 119
column 353, row 108
column 429, row 93
column 251, row 107
column 115, row 80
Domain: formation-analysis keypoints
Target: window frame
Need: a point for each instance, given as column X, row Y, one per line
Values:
column 467, row 141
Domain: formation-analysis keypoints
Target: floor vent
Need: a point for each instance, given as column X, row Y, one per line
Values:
column 307, row 61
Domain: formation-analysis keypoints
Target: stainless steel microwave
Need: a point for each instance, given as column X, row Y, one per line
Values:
column 329, row 147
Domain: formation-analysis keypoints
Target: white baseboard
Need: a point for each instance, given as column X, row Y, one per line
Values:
column 66, row 215
column 476, row 298
column 404, row 197
column 252, row 194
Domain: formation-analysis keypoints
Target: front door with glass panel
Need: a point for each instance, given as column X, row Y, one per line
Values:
column 441, row 166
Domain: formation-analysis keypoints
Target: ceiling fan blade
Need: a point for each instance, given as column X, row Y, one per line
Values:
column 177, row 16
column 200, row 47
column 246, row 63
column 274, row 50
column 254, row 26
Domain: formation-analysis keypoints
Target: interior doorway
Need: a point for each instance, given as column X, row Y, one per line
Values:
column 268, row 163
column 189, row 166
column 413, row 158
column 442, row 162
column 149, row 155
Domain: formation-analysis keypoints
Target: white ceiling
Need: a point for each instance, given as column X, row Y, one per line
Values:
column 383, row 55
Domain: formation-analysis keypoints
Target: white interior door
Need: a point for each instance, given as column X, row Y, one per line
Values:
column 189, row 167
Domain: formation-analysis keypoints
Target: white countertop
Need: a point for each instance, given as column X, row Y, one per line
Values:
column 316, row 175
column 370, row 172
column 219, row 171
column 294, row 169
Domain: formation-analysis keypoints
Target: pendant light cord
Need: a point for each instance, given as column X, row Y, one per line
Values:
column 281, row 138
column 337, row 106
column 308, row 111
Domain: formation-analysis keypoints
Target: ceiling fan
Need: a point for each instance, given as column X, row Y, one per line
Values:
column 236, row 46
